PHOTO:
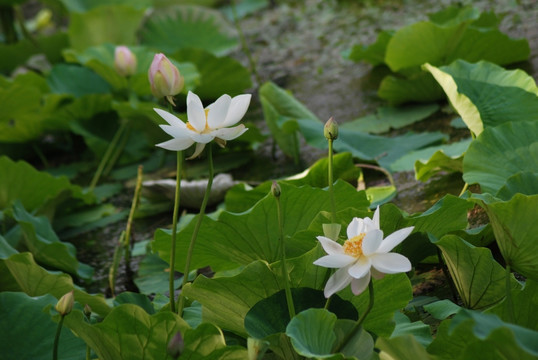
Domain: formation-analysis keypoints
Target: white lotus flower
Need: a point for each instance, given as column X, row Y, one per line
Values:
column 207, row 124
column 364, row 254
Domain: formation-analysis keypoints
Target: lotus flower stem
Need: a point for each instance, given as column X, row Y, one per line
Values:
column 331, row 189
column 57, row 338
column 108, row 154
column 464, row 189
column 181, row 301
column 134, row 205
column 509, row 303
column 285, row 276
column 361, row 319
column 174, row 231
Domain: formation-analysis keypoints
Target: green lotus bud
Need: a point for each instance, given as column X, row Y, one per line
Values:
column 164, row 78
column 87, row 310
column 175, row 346
column 65, row 304
column 331, row 129
column 275, row 189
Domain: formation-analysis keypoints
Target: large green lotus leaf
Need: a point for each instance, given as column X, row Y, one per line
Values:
column 435, row 44
column 83, row 5
column 24, row 321
column 14, row 55
column 34, row 189
column 416, row 87
column 404, row 326
column 41, row 240
column 21, row 118
column 218, row 75
column 315, row 332
column 431, row 160
column 391, row 117
column 404, row 347
column 475, row 335
column 479, row 279
column 279, row 105
column 448, row 158
column 486, row 95
column 453, row 15
column 153, row 276
column 501, row 152
column 384, row 150
column 6, row 250
column 115, row 24
column 238, row 239
column 373, row 53
column 391, row 293
column 515, row 228
column 241, row 197
column 524, row 182
column 20, row 273
column 271, row 316
column 61, row 81
column 184, row 27
column 524, row 302
column 128, row 332
column 207, row 342
column 243, row 8
column 227, row 300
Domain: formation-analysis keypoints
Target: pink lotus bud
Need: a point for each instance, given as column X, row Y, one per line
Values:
column 164, row 77
column 124, row 61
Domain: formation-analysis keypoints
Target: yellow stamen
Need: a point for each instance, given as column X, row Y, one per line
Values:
column 190, row 127
column 353, row 246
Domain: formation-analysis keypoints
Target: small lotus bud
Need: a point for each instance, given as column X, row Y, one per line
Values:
column 331, row 129
column 65, row 304
column 275, row 189
column 87, row 310
column 175, row 346
column 124, row 61
column 43, row 19
column 164, row 77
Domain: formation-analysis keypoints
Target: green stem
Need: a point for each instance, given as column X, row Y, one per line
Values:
column 88, row 353
column 509, row 303
column 289, row 298
column 174, row 232
column 331, row 189
column 57, row 339
column 134, row 205
column 464, row 189
column 22, row 24
column 378, row 168
column 197, row 228
column 117, row 152
column 107, row 155
column 361, row 320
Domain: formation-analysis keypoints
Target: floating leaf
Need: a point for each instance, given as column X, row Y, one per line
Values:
column 187, row 26
column 24, row 320
column 479, row 279
column 514, row 145
column 418, row 329
column 486, row 95
column 153, row 276
column 442, row 309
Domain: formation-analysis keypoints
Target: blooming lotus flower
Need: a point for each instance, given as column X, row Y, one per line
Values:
column 124, row 61
column 164, row 78
column 207, row 124
column 364, row 254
